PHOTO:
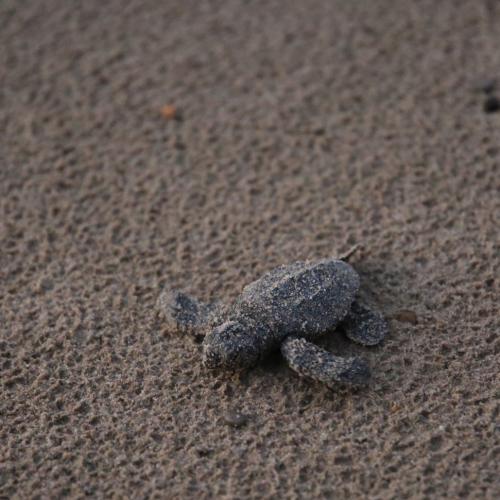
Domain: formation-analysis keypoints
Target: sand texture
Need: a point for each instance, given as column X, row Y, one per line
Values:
column 196, row 145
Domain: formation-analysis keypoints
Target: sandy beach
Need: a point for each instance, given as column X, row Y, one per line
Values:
column 195, row 145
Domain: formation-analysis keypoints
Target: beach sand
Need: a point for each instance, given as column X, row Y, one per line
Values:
column 195, row 145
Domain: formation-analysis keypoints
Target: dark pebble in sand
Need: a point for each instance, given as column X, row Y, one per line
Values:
column 406, row 316
column 204, row 452
column 236, row 419
column 491, row 105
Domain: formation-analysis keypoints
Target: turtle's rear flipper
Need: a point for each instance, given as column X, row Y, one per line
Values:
column 310, row 361
column 364, row 326
column 183, row 312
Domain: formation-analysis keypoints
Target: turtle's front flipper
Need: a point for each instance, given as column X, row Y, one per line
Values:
column 184, row 312
column 364, row 326
column 310, row 361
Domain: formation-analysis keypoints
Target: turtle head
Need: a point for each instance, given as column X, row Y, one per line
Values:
column 231, row 345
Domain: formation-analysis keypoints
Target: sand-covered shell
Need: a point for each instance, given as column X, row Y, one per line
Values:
column 304, row 298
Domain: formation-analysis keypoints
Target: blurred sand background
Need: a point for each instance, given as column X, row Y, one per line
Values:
column 302, row 127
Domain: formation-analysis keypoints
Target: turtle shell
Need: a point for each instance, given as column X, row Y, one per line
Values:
column 303, row 298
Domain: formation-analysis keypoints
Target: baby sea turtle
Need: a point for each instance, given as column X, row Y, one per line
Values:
column 288, row 308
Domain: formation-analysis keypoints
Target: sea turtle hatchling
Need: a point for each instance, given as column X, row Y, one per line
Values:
column 288, row 308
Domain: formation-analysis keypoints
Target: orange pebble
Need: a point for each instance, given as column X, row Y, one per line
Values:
column 169, row 112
